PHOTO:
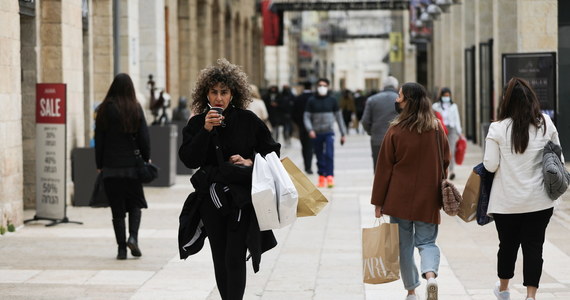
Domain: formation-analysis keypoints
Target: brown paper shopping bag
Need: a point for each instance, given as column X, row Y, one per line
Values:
column 468, row 207
column 381, row 253
column 311, row 200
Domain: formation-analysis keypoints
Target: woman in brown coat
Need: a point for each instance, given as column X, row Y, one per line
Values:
column 407, row 184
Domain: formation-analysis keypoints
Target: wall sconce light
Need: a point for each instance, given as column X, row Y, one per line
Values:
column 434, row 11
column 444, row 5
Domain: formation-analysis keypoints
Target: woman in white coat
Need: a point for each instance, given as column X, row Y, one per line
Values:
column 450, row 114
column 518, row 201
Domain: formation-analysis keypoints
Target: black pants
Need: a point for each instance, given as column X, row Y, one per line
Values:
column 526, row 230
column 227, row 242
column 306, row 149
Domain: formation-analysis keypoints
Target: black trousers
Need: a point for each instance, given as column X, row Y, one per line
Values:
column 227, row 241
column 526, row 230
column 306, row 149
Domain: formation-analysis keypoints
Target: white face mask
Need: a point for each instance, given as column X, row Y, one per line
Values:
column 446, row 99
column 322, row 90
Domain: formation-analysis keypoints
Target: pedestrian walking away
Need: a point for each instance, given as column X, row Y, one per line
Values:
column 222, row 140
column 450, row 114
column 379, row 111
column 299, row 105
column 320, row 114
column 407, row 185
column 121, row 133
column 518, row 202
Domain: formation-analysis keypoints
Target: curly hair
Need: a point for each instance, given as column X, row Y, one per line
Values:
column 229, row 75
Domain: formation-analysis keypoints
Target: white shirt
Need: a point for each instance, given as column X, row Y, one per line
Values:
column 450, row 115
column 518, row 186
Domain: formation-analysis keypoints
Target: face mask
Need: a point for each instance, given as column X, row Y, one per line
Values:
column 322, row 90
column 446, row 99
column 397, row 107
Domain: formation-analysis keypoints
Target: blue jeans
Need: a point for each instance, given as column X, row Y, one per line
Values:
column 421, row 235
column 324, row 150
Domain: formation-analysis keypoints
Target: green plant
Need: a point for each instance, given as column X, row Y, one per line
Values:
column 11, row 227
column 2, row 230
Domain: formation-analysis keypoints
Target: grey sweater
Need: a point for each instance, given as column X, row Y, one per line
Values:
column 378, row 113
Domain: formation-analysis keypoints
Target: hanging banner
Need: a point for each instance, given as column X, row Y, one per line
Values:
column 51, row 112
column 272, row 25
column 396, row 47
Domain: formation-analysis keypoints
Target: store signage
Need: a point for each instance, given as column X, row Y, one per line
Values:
column 51, row 112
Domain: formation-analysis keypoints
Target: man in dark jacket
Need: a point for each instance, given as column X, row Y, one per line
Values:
column 378, row 113
column 299, row 105
column 319, row 117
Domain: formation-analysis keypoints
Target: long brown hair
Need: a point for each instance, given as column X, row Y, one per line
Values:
column 417, row 114
column 122, row 94
column 520, row 103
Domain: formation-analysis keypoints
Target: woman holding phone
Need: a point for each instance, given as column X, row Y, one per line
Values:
column 222, row 140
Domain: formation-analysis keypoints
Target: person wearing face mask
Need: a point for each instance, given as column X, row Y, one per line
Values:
column 221, row 141
column 450, row 114
column 320, row 114
column 407, row 186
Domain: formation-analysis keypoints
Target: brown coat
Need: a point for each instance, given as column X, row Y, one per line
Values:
column 407, row 183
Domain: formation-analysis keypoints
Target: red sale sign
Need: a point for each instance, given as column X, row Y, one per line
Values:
column 50, row 103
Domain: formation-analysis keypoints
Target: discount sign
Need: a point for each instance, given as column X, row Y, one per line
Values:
column 50, row 150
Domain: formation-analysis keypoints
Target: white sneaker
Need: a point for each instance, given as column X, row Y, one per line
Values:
column 412, row 297
column 431, row 290
column 504, row 295
column 529, row 298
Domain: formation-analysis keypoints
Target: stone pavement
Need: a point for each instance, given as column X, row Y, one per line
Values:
column 317, row 257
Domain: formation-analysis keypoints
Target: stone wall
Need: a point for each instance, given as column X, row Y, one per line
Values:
column 11, row 161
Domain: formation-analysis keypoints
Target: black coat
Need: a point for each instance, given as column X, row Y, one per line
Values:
column 115, row 148
column 244, row 134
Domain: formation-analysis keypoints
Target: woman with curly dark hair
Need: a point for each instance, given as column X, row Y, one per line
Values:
column 221, row 139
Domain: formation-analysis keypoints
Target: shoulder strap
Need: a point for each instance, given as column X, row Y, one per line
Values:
column 439, row 150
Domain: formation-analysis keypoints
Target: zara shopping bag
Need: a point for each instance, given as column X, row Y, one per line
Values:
column 263, row 195
column 287, row 196
column 311, row 200
column 381, row 253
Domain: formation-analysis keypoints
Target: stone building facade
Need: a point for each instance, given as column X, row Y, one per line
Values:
column 467, row 48
column 84, row 43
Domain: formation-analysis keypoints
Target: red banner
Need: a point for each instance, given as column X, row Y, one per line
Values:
column 272, row 25
column 50, row 103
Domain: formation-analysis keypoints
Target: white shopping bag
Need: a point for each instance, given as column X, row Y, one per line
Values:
column 263, row 195
column 287, row 196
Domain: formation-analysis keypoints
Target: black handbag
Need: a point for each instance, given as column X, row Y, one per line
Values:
column 146, row 171
column 99, row 197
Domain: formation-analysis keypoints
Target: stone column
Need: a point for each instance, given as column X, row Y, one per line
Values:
column 129, row 39
column 152, row 45
column 11, row 184
column 204, row 32
column 217, row 31
column 102, row 48
column 457, row 71
column 184, row 49
column 173, row 85
column 61, row 60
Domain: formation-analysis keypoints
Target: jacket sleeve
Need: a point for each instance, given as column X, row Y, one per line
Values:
column 384, row 165
column 99, row 144
column 195, row 141
column 307, row 116
column 340, row 122
column 367, row 117
column 491, row 158
column 143, row 139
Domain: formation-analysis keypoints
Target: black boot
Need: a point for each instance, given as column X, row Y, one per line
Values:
column 120, row 235
column 134, row 224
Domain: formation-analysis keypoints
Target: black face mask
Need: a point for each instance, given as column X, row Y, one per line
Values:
column 397, row 107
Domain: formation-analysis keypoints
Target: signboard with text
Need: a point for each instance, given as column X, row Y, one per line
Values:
column 539, row 69
column 51, row 113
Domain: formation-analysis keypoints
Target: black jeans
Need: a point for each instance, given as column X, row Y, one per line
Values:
column 227, row 242
column 306, row 149
column 526, row 230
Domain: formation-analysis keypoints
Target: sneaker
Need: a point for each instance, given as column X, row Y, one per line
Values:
column 529, row 298
column 431, row 289
column 330, row 180
column 504, row 295
column 322, row 181
column 412, row 297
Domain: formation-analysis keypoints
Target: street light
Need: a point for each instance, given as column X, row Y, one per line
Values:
column 434, row 11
